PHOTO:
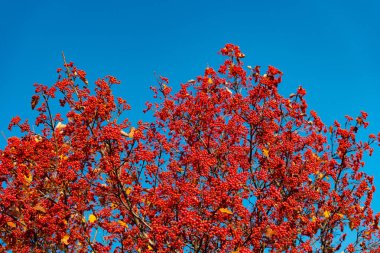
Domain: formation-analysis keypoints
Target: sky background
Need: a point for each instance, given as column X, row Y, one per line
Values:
column 329, row 47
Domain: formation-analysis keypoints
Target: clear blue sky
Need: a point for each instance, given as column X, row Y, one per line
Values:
column 330, row 47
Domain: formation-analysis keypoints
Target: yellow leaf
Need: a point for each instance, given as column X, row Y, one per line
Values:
column 113, row 205
column 326, row 214
column 340, row 215
column 132, row 132
column 150, row 247
column 122, row 223
column 60, row 126
column 128, row 190
column 209, row 81
column 37, row 138
column 225, row 210
column 313, row 219
column 11, row 224
column 29, row 178
column 65, row 239
column 63, row 157
column 266, row 152
column 92, row 218
column 319, row 174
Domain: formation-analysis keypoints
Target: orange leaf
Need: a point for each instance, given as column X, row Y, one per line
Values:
column 320, row 175
column 269, row 232
column 11, row 224
column 352, row 225
column 40, row 208
column 65, row 239
column 122, row 223
column 225, row 210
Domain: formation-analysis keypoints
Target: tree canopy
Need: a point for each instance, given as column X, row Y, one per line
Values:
column 227, row 165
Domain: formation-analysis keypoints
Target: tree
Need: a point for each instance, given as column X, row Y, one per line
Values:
column 228, row 165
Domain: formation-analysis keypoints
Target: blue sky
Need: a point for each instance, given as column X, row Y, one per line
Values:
column 329, row 47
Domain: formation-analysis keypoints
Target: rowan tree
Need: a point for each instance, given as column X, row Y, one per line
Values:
column 227, row 165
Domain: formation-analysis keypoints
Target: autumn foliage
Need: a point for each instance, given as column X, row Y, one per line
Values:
column 228, row 165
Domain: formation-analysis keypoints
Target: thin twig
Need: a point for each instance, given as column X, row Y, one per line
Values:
column 5, row 137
